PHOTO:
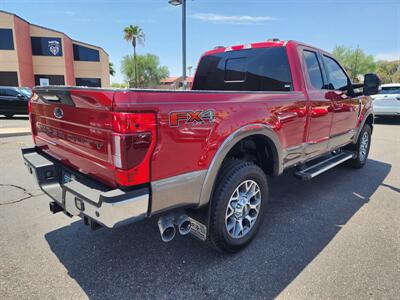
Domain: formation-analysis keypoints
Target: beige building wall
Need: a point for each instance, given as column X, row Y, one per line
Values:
column 48, row 65
column 93, row 69
column 8, row 58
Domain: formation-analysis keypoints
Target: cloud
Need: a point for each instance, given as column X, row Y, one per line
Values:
column 388, row 56
column 239, row 20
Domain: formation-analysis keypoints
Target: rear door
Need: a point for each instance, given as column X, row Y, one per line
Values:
column 319, row 106
column 8, row 101
column 346, row 106
column 18, row 100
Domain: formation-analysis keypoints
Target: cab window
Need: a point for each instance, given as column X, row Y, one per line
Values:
column 313, row 69
column 337, row 78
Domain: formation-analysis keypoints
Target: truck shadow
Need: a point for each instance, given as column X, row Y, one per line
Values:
column 302, row 219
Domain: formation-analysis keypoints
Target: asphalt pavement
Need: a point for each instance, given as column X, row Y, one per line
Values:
column 337, row 236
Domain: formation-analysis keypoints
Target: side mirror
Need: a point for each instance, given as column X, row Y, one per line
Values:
column 371, row 84
column 21, row 97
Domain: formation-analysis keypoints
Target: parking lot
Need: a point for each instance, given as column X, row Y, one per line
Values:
column 337, row 236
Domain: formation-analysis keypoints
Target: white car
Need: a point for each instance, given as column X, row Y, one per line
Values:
column 387, row 102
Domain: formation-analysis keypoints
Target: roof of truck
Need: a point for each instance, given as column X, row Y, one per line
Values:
column 265, row 44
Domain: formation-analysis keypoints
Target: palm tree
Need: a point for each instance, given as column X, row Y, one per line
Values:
column 111, row 68
column 134, row 35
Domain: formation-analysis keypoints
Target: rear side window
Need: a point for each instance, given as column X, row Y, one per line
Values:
column 313, row 69
column 264, row 69
column 337, row 77
column 11, row 92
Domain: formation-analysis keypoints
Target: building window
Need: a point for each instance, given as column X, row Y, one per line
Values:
column 46, row 46
column 9, row 78
column 6, row 39
column 49, row 80
column 92, row 82
column 82, row 53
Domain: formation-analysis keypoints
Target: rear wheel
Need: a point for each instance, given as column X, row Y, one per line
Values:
column 361, row 149
column 238, row 205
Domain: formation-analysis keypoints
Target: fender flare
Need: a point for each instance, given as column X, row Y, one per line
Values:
column 228, row 144
column 367, row 114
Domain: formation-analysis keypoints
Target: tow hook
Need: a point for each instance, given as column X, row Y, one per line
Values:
column 91, row 223
column 55, row 207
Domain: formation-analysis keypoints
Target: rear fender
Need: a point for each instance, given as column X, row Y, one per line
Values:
column 228, row 144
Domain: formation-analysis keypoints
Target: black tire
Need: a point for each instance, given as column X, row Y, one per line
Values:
column 9, row 115
column 233, row 174
column 360, row 159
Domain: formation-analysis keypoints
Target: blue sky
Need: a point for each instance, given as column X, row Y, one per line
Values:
column 372, row 25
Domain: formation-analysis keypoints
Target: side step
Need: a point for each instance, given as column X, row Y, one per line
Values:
column 323, row 166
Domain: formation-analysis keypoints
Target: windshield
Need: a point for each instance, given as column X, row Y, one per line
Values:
column 26, row 92
column 390, row 90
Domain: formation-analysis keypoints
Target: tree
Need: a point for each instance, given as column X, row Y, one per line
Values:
column 145, row 70
column 355, row 61
column 111, row 68
column 134, row 35
column 388, row 71
column 119, row 85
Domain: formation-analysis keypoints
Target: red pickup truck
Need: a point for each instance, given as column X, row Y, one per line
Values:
column 200, row 159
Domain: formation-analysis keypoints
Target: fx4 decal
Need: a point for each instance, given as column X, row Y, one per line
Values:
column 191, row 117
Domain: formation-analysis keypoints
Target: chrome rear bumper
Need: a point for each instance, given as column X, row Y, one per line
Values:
column 80, row 195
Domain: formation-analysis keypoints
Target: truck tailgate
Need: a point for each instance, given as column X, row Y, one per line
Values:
column 74, row 126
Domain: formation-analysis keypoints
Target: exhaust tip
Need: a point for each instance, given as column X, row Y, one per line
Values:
column 167, row 229
column 184, row 225
column 168, row 234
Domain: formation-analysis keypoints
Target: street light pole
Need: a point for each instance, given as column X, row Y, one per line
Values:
column 183, row 3
column 184, row 43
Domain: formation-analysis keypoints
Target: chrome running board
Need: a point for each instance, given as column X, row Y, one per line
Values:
column 323, row 166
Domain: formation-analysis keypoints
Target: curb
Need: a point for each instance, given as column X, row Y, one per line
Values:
column 14, row 134
column 10, row 132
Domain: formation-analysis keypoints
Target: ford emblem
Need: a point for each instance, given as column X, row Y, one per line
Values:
column 58, row 113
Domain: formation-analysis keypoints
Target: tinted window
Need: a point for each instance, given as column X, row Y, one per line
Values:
column 11, row 92
column 313, row 69
column 336, row 76
column 85, row 53
column 235, row 69
column 8, row 78
column 263, row 69
column 390, row 90
column 53, row 79
column 92, row 82
column 6, row 39
column 46, row 46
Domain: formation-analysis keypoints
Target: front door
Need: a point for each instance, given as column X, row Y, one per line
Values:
column 345, row 106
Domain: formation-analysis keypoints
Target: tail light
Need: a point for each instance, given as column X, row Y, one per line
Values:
column 133, row 137
column 32, row 118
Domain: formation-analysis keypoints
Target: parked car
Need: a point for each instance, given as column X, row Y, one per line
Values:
column 387, row 102
column 14, row 101
column 200, row 159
